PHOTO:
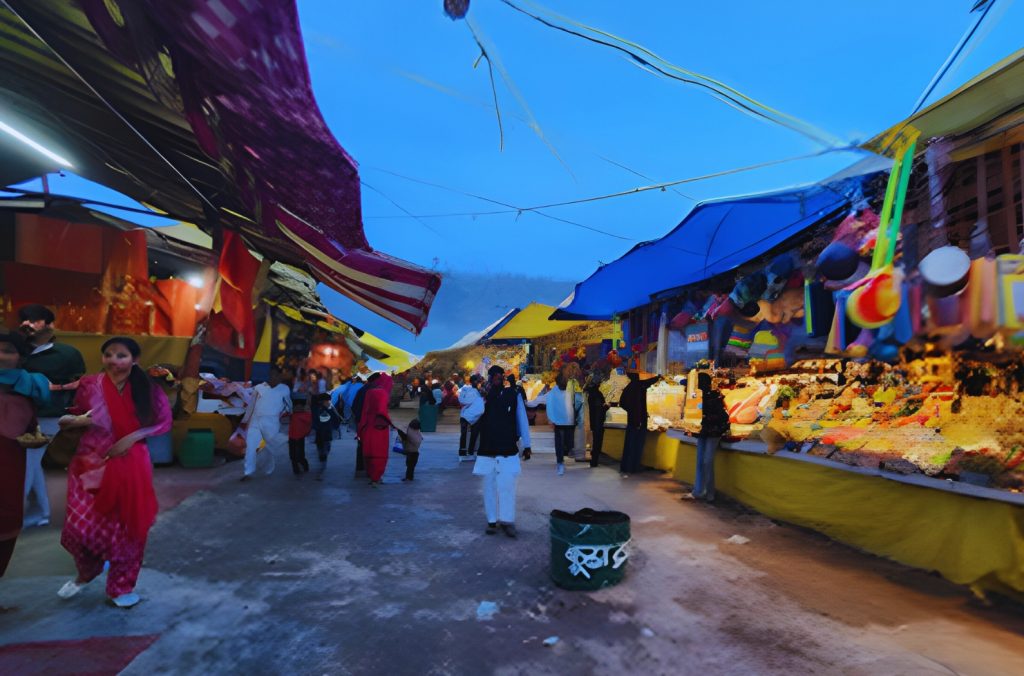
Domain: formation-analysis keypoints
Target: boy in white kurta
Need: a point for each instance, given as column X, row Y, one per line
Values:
column 262, row 422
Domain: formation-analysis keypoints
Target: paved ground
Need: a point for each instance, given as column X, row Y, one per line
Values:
column 290, row 576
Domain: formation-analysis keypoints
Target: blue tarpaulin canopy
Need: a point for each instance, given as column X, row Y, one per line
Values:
column 715, row 237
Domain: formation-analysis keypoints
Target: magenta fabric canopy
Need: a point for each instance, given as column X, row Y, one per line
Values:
column 204, row 109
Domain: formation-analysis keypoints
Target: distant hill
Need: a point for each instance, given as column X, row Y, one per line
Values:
column 467, row 302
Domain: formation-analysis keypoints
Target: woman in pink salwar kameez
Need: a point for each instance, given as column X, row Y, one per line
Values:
column 111, row 501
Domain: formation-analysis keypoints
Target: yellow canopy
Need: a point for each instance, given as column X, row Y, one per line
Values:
column 397, row 357
column 532, row 322
column 994, row 92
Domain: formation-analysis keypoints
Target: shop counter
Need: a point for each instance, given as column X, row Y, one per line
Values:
column 155, row 349
column 660, row 451
column 971, row 535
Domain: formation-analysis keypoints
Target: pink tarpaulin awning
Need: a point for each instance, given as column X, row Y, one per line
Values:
column 202, row 107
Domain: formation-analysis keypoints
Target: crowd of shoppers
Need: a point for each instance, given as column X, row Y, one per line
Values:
column 111, row 501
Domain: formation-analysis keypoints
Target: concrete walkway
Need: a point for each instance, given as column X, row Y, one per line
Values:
column 284, row 575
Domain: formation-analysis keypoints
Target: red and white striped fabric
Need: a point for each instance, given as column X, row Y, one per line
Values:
column 386, row 285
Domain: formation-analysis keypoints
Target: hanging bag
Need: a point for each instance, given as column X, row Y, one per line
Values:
column 64, row 445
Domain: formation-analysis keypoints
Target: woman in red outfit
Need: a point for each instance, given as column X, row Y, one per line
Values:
column 20, row 392
column 375, row 428
column 111, row 501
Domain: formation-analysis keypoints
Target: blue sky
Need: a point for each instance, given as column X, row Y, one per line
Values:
column 396, row 84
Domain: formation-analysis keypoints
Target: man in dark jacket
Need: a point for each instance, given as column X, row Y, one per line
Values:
column 634, row 401
column 357, row 412
column 714, row 425
column 597, row 408
column 63, row 366
column 503, row 424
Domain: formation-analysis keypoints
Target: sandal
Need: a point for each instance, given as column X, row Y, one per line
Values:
column 126, row 600
column 71, row 588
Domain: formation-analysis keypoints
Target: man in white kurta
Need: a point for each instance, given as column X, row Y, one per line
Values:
column 503, row 426
column 262, row 422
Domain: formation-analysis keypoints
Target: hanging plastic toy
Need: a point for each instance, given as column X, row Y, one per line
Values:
column 874, row 300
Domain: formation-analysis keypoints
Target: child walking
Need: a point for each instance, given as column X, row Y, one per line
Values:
column 298, row 430
column 325, row 421
column 412, row 438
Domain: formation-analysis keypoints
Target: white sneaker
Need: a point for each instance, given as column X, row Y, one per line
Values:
column 561, row 468
column 126, row 600
column 71, row 588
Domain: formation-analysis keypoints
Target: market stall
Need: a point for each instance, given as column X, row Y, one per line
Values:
column 917, row 479
column 903, row 460
column 871, row 365
column 100, row 274
column 470, row 359
column 152, row 284
column 969, row 534
column 549, row 344
column 547, row 340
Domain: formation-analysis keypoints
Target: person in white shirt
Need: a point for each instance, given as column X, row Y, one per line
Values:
column 472, row 404
column 564, row 407
column 262, row 422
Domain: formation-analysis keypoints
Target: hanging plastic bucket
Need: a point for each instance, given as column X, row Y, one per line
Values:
column 589, row 549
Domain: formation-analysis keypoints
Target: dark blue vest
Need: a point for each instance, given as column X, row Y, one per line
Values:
column 498, row 431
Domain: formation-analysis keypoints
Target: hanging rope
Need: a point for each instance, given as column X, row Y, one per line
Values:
column 652, row 61
column 400, row 207
column 512, row 209
column 494, row 89
column 643, row 176
column 983, row 10
column 622, row 193
column 494, row 59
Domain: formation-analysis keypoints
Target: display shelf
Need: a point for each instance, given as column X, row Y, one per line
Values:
column 947, row 485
